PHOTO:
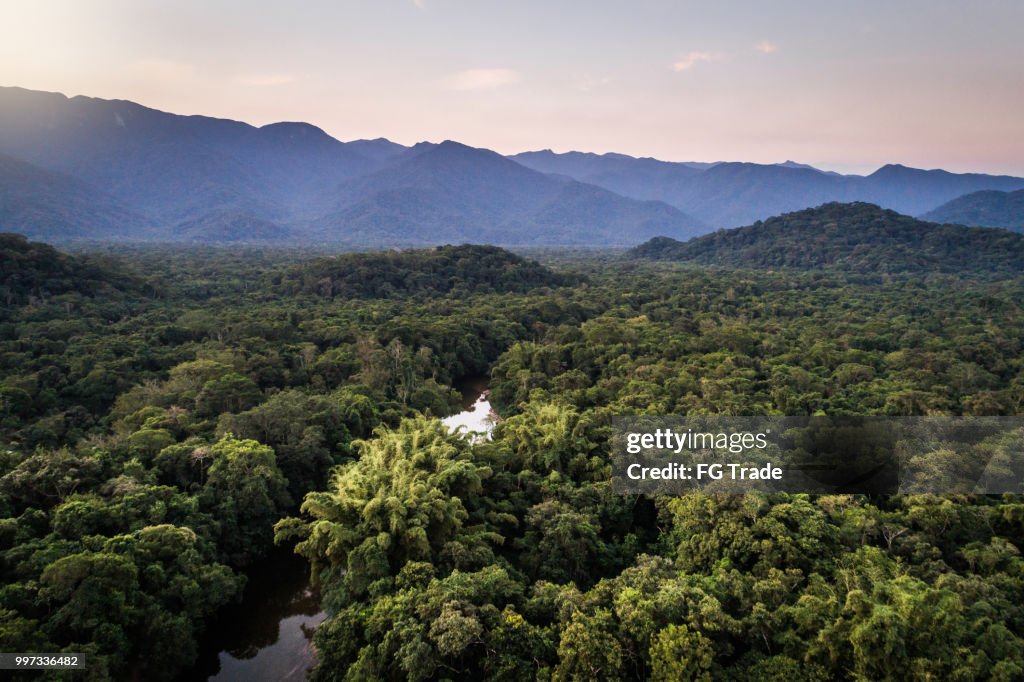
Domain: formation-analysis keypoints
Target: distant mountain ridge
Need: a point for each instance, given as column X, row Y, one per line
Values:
column 987, row 208
column 196, row 178
column 175, row 168
column 729, row 194
column 857, row 237
column 456, row 193
column 114, row 169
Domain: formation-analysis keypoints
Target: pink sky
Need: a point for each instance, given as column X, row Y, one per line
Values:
column 846, row 86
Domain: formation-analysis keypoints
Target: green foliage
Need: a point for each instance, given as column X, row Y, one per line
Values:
column 140, row 596
column 31, row 272
column 309, row 432
column 437, row 271
column 588, row 649
column 856, row 237
column 409, row 497
column 156, row 446
column 246, row 492
column 678, row 654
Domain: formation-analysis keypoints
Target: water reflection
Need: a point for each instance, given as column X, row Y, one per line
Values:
column 477, row 419
column 268, row 636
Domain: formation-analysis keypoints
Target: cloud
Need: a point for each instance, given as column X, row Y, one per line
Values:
column 480, row 79
column 420, row 4
column 164, row 70
column 766, row 47
column 266, row 80
column 692, row 58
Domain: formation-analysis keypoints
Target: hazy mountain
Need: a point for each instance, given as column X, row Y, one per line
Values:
column 717, row 194
column 451, row 192
column 857, row 236
column 988, row 208
column 204, row 179
column 914, row 191
column 729, row 194
column 793, row 164
column 225, row 225
column 378, row 150
column 645, row 178
column 116, row 169
column 175, row 168
column 46, row 204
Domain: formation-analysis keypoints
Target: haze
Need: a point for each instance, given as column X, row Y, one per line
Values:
column 845, row 86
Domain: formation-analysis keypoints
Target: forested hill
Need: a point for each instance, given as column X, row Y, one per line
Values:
column 857, row 237
column 988, row 208
column 30, row 271
column 435, row 271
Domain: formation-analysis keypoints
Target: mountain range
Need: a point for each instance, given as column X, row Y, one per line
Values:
column 109, row 168
column 732, row 194
column 87, row 168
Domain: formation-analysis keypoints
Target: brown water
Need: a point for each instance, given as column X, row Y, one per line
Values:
column 268, row 636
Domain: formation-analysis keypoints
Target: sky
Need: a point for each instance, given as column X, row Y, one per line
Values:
column 843, row 85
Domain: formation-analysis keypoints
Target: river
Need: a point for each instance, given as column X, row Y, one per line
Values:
column 268, row 636
column 477, row 417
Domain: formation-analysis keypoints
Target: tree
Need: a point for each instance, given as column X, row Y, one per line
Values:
column 246, row 492
column 588, row 649
column 678, row 653
column 407, row 498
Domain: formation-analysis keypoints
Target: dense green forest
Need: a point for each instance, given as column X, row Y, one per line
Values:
column 170, row 414
column 856, row 237
column 445, row 269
